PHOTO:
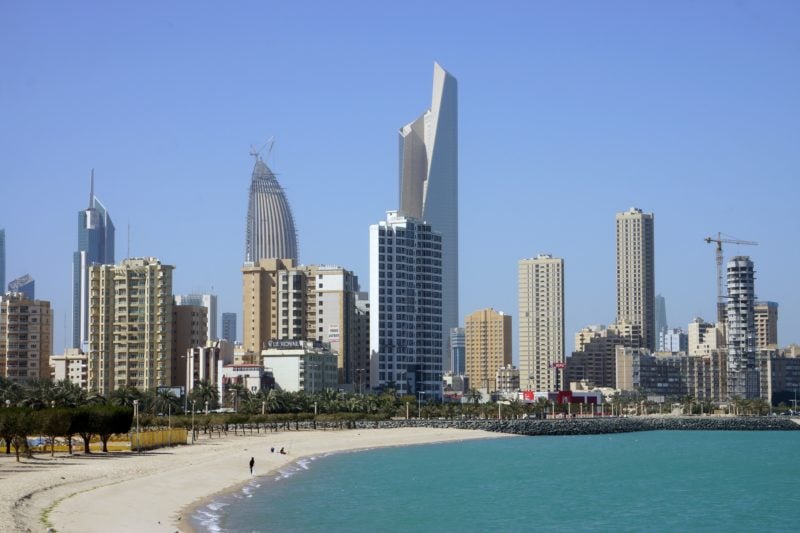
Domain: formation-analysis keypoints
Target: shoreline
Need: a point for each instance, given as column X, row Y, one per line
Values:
column 161, row 490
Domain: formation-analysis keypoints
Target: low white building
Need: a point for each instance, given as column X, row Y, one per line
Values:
column 72, row 366
column 301, row 365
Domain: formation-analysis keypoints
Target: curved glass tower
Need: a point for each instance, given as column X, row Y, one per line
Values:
column 270, row 225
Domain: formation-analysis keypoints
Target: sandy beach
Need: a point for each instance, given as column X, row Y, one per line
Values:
column 157, row 490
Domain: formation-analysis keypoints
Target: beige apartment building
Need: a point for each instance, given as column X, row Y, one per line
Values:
column 636, row 273
column 766, row 320
column 130, row 325
column 26, row 337
column 283, row 301
column 189, row 329
column 541, row 322
column 705, row 338
column 487, row 336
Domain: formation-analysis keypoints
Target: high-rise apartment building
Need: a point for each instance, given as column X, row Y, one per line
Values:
column 26, row 338
column 458, row 351
column 130, row 319
column 406, row 342
column 2, row 258
column 740, row 329
column 283, row 301
column 766, row 321
column 636, row 273
column 260, row 304
column 429, row 183
column 541, row 322
column 95, row 247
column 25, row 285
column 487, row 337
column 189, row 329
column 209, row 301
column 270, row 226
column 594, row 358
column 229, row 327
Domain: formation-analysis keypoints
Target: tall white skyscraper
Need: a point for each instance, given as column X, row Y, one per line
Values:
column 429, row 183
column 541, row 322
column 636, row 273
column 209, row 301
column 741, row 329
column 405, row 300
column 270, row 232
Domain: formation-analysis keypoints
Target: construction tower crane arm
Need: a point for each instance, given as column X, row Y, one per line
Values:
column 720, row 295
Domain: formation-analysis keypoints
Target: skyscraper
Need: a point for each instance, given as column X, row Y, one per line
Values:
column 661, row 315
column 130, row 342
column 541, row 322
column 487, row 336
column 405, row 300
column 2, row 258
column 429, row 183
column 636, row 273
column 458, row 351
column 95, row 247
column 209, row 301
column 740, row 329
column 229, row 327
column 24, row 284
column 270, row 226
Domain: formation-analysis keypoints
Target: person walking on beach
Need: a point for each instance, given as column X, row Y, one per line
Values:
column 252, row 463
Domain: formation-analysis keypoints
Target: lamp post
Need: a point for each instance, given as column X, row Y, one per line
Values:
column 419, row 403
column 193, row 409
column 406, row 410
column 315, row 409
column 206, row 406
column 136, row 414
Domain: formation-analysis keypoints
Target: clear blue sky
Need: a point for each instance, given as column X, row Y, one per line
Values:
column 569, row 112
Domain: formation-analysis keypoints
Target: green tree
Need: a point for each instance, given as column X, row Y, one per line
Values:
column 86, row 423
column 205, row 392
column 54, row 423
column 124, row 396
column 112, row 420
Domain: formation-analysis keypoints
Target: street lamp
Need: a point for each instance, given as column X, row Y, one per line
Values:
column 136, row 414
column 419, row 403
column 206, row 406
column 315, row 409
column 193, row 409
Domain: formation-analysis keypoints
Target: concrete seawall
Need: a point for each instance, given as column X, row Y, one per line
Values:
column 598, row 426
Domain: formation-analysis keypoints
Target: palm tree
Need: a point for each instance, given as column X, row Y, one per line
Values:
column 69, row 394
column 125, row 396
column 164, row 401
column 38, row 393
column 10, row 392
column 205, row 393
column 474, row 396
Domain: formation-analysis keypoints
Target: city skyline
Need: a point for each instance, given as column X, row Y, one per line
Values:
column 582, row 119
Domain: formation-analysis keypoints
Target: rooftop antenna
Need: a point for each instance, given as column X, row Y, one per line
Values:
column 91, row 190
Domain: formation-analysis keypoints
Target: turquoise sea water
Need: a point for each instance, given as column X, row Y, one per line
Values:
column 652, row 481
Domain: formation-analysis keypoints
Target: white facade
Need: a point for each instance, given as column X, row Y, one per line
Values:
column 301, row 366
column 429, row 183
column 406, row 340
column 740, row 329
column 72, row 366
column 541, row 322
column 636, row 273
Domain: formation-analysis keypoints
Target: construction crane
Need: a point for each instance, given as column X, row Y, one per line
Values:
column 720, row 296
